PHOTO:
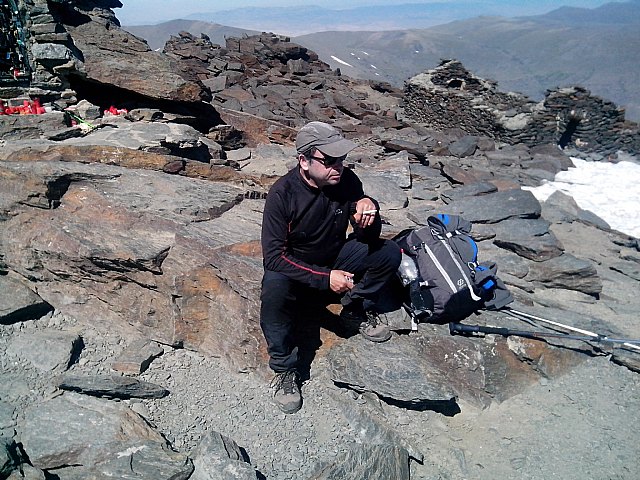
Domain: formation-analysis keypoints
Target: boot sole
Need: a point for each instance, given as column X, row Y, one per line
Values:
column 376, row 339
column 285, row 409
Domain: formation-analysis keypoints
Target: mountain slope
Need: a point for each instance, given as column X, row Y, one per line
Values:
column 597, row 49
column 157, row 35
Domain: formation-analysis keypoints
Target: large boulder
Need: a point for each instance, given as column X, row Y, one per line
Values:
column 177, row 258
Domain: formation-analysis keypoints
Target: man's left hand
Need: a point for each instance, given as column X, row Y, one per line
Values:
column 366, row 212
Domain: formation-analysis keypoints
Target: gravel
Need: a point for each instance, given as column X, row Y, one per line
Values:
column 581, row 425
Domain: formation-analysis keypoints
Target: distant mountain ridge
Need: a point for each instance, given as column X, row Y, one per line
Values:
column 157, row 35
column 308, row 19
column 596, row 48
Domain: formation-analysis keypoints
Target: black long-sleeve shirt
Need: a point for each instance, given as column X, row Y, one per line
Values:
column 304, row 228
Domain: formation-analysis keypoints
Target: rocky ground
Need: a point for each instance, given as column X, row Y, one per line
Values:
column 580, row 425
column 139, row 235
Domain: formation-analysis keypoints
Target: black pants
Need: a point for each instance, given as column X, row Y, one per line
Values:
column 285, row 301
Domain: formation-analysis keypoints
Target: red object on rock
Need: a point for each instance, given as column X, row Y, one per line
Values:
column 115, row 111
column 27, row 108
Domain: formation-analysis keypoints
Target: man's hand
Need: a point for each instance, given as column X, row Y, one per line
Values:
column 340, row 281
column 366, row 212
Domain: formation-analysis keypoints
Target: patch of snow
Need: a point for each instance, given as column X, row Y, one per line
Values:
column 341, row 61
column 610, row 190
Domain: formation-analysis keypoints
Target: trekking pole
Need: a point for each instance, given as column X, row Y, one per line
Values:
column 516, row 314
column 458, row 328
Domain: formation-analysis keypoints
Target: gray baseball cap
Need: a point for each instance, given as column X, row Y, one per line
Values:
column 325, row 138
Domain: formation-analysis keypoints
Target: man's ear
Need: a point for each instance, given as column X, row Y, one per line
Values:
column 304, row 163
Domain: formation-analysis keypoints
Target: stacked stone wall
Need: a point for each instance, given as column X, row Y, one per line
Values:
column 451, row 97
column 49, row 47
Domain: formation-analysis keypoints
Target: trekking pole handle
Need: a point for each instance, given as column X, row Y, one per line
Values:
column 459, row 328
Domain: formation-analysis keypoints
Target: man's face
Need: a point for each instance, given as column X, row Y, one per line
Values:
column 321, row 170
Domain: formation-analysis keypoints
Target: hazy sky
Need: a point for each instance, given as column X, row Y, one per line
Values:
column 137, row 12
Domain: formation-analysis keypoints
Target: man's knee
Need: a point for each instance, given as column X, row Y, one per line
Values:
column 391, row 254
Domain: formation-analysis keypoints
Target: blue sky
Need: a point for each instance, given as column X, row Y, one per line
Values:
column 137, row 12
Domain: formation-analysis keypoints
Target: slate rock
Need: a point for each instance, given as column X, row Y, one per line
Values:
column 367, row 461
column 497, row 206
column 566, row 271
column 630, row 269
column 560, row 207
column 115, row 57
column 458, row 174
column 140, row 459
column 137, row 357
column 507, row 261
column 395, row 168
column 7, row 422
column 399, row 145
column 149, row 248
column 371, row 429
column 468, row 190
column 535, row 176
column 18, row 302
column 386, row 193
column 415, row 372
column 27, row 472
column 22, row 127
column 74, row 429
column 464, row 147
column 483, row 231
column 424, row 191
column 549, row 163
column 46, row 350
column 528, row 238
column 504, row 158
column 218, row 457
column 111, row 386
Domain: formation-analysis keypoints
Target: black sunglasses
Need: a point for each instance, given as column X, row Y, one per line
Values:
column 328, row 161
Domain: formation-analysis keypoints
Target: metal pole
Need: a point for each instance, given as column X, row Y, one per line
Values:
column 626, row 343
column 455, row 328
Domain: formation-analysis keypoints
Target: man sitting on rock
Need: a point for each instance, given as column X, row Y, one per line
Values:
column 308, row 256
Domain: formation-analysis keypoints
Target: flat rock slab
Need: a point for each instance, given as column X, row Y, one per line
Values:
column 367, row 461
column 568, row 272
column 46, row 350
column 372, row 429
column 75, row 429
column 137, row 357
column 111, row 386
column 220, row 457
column 416, row 371
column 18, row 302
column 143, row 248
column 528, row 238
column 471, row 190
column 496, row 206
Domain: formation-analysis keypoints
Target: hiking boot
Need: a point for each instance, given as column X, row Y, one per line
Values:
column 368, row 323
column 286, row 392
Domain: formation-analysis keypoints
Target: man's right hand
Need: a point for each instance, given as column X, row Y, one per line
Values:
column 340, row 281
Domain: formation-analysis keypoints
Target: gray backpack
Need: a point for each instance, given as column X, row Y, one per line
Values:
column 451, row 284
